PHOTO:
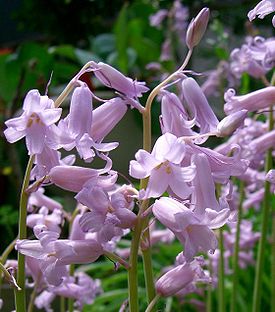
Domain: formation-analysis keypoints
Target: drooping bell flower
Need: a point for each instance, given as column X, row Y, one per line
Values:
column 38, row 115
column 253, row 101
column 178, row 280
column 74, row 130
column 204, row 116
column 222, row 167
column 73, row 178
column 204, row 194
column 262, row 9
column 54, row 254
column 174, row 118
column 38, row 199
column 106, row 117
column 114, row 79
column 163, row 167
column 192, row 231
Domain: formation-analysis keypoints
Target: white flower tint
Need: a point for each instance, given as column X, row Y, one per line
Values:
column 38, row 114
column 163, row 167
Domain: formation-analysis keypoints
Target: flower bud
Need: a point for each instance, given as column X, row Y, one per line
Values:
column 106, row 117
column 72, row 178
column 196, row 28
column 175, row 280
column 231, row 123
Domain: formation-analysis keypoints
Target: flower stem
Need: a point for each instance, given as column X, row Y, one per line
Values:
column 265, row 218
column 236, row 251
column 209, row 289
column 142, row 223
column 152, row 304
column 221, row 297
column 20, row 296
column 132, row 272
column 148, row 269
column 116, row 258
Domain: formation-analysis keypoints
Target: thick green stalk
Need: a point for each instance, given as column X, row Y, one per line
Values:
column 148, row 269
column 264, row 227
column 20, row 296
column 132, row 272
column 62, row 304
column 233, row 307
column 221, row 297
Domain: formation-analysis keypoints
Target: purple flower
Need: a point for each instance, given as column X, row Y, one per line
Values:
column 262, row 9
column 108, row 216
column 197, row 28
column 106, row 117
column 54, row 254
column 193, row 232
column 38, row 114
column 74, row 130
column 114, row 79
column 243, row 60
column 181, row 277
column 38, row 199
column 157, row 18
column 74, row 178
column 204, row 195
column 198, row 104
column 163, row 168
column 174, row 118
column 252, row 101
column 231, row 123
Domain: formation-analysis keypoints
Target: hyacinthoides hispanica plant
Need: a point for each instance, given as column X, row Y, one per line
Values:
column 177, row 165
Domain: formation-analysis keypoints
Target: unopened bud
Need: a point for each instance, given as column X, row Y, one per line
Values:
column 196, row 28
column 231, row 123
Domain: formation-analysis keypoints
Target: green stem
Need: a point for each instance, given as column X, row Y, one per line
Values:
column 265, row 218
column 209, row 289
column 221, row 297
column 152, row 304
column 142, row 223
column 132, row 272
column 71, row 300
column 116, row 258
column 148, row 269
column 33, row 295
column 62, row 304
column 236, row 251
column 20, row 296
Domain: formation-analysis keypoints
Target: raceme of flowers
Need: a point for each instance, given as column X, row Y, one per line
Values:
column 182, row 174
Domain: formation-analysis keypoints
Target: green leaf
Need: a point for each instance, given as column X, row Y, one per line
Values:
column 121, row 35
column 84, row 56
column 64, row 50
column 103, row 45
